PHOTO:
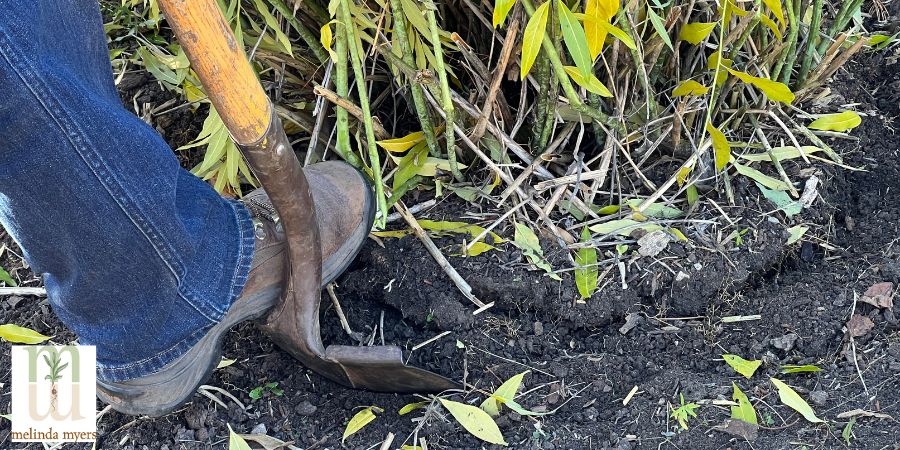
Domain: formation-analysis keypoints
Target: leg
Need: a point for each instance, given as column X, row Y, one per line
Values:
column 139, row 257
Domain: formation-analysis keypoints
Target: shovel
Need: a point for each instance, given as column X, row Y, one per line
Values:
column 234, row 90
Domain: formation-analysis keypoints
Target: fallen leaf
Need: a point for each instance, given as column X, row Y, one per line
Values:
column 653, row 243
column 847, row 433
column 741, row 365
column 740, row 429
column 744, row 410
column 586, row 270
column 796, row 233
column 880, row 295
column 406, row 409
column 859, row 325
column 624, row 227
column 781, row 200
column 225, row 363
column 792, row 399
column 402, row 144
column 6, row 278
column 267, row 442
column 862, row 413
column 475, row 421
column 506, row 392
column 235, row 441
column 791, row 368
column 721, row 147
column 840, row 122
column 359, row 420
column 21, row 335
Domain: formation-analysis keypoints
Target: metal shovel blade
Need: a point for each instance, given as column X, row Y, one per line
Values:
column 381, row 369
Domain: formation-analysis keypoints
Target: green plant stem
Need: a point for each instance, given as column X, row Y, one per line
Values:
column 356, row 61
column 446, row 100
column 638, row 63
column 839, row 24
column 786, row 62
column 812, row 36
column 745, row 35
column 574, row 100
column 343, row 90
column 415, row 88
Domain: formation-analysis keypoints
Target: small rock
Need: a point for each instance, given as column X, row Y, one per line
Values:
column 202, row 435
column 184, row 434
column 785, row 342
column 547, row 445
column 651, row 244
column 305, row 408
column 818, row 397
column 879, row 295
column 631, row 320
column 538, row 328
column 14, row 301
column 259, row 429
column 859, row 325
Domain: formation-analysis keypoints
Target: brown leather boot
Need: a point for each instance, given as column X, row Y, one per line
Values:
column 345, row 212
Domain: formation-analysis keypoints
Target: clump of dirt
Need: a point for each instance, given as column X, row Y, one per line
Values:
column 661, row 337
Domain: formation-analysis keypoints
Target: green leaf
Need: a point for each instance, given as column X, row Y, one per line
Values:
column 619, row 34
column 591, row 83
column 406, row 409
column 696, row 32
column 21, row 335
column 775, row 90
column 235, row 441
column 782, row 200
column 781, row 153
column 624, row 227
column 6, row 416
column 741, row 365
column 690, row 87
column 575, row 39
column 656, row 210
column 744, row 409
column 840, row 122
column 501, row 10
column 6, row 278
column 791, row 368
column 847, row 433
column 402, row 144
column 475, row 421
column 361, row 419
column 660, row 28
column 796, row 233
column 761, row 178
column 273, row 25
column 410, row 165
column 505, row 393
column 586, row 271
column 793, row 400
column 256, row 393
column 720, row 144
column 533, row 37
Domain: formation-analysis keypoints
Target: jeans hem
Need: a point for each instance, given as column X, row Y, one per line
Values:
column 153, row 364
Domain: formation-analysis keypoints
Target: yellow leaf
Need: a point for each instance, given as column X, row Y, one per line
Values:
column 21, row 335
column 360, row 420
column 772, row 26
column 714, row 61
column 775, row 7
column 326, row 38
column 235, row 441
column 781, row 153
column 761, row 178
column 690, row 87
column 744, row 409
column 619, row 34
column 402, row 144
column 501, row 10
column 594, row 16
column 721, row 147
column 840, row 122
column 792, row 399
column 475, row 421
column 741, row 365
column 609, row 8
column 696, row 32
column 592, row 84
column 459, row 228
column 731, row 9
column 406, row 409
column 506, row 391
column 393, row 233
column 683, row 174
column 533, row 37
column 479, row 248
column 775, row 90
column 224, row 363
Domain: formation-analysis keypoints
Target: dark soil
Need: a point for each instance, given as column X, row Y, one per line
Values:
column 582, row 362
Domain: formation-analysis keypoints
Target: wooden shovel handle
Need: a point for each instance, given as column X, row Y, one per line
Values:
column 222, row 66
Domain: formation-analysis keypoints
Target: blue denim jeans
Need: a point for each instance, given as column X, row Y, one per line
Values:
column 139, row 257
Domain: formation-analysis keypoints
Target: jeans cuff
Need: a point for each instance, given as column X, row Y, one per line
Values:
column 244, row 259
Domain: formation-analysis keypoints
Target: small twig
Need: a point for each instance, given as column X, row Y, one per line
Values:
column 442, row 261
column 499, row 74
column 352, row 108
column 430, row 340
column 340, row 311
column 853, row 346
column 386, row 445
column 38, row 291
